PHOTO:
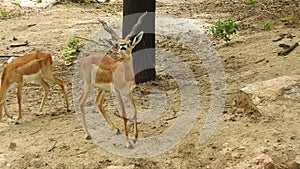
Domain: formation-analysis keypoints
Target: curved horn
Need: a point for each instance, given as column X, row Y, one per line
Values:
column 113, row 34
column 136, row 26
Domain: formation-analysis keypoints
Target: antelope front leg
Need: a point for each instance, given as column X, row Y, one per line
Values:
column 46, row 89
column 3, row 91
column 6, row 112
column 62, row 86
column 59, row 82
column 128, row 143
column 20, row 87
column 134, row 118
column 2, row 106
column 99, row 101
column 82, row 100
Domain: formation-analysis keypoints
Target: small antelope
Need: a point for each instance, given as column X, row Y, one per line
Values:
column 31, row 67
column 111, row 74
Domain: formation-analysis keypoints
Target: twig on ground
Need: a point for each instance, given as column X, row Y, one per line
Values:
column 91, row 40
column 17, row 4
column 261, row 60
column 82, row 152
column 19, row 44
column 53, row 146
column 8, row 56
column 86, row 23
column 284, row 46
column 171, row 118
column 36, row 131
column 288, row 50
column 278, row 39
column 52, row 4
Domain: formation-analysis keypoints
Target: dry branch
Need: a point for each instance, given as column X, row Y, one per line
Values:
column 17, row 4
column 171, row 118
column 19, row 44
column 113, row 34
column 52, row 4
column 284, row 46
column 260, row 60
column 86, row 23
column 36, row 131
column 288, row 50
column 278, row 39
column 53, row 146
column 82, row 152
column 91, row 40
column 7, row 56
column 30, row 25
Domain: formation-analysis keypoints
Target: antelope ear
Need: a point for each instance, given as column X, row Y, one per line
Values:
column 137, row 39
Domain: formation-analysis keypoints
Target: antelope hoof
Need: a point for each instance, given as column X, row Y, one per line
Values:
column 118, row 132
column 68, row 110
column 88, row 137
column 134, row 140
column 18, row 122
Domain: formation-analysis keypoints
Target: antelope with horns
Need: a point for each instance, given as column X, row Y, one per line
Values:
column 110, row 74
column 31, row 67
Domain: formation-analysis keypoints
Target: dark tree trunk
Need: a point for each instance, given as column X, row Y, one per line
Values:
column 143, row 60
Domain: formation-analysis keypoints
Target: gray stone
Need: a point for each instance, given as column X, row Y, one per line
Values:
column 262, row 161
column 120, row 167
column 296, row 163
column 256, row 95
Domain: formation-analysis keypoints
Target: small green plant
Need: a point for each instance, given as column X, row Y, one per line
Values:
column 288, row 19
column 287, row 1
column 3, row 13
column 223, row 29
column 90, row 1
column 111, row 4
column 250, row 2
column 73, row 46
column 267, row 26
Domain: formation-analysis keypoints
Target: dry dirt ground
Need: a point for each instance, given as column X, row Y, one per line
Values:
column 55, row 139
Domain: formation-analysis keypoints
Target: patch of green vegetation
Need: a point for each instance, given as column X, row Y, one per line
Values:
column 90, row 1
column 250, row 2
column 287, row 1
column 73, row 46
column 223, row 29
column 288, row 19
column 3, row 13
column 111, row 4
column 17, row 14
column 267, row 26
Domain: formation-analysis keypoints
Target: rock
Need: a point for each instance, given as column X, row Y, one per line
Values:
column 12, row 146
column 120, row 167
column 42, row 3
column 296, row 163
column 256, row 95
column 262, row 161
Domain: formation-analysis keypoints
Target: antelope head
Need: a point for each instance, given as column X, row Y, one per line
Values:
column 125, row 46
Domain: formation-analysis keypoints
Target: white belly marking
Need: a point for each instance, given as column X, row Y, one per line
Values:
column 32, row 77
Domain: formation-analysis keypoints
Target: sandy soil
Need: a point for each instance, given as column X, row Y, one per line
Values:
column 55, row 138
